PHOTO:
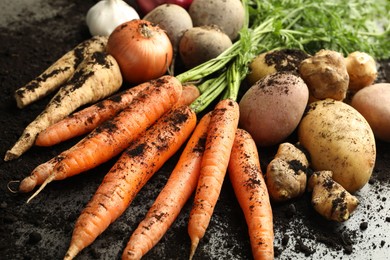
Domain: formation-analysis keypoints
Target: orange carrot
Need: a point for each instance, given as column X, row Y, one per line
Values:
column 114, row 135
column 172, row 197
column 190, row 93
column 215, row 161
column 252, row 194
column 129, row 174
column 87, row 119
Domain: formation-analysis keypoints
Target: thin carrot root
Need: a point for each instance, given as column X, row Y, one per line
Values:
column 130, row 173
column 9, row 186
column 96, row 78
column 115, row 135
column 178, row 189
column 47, row 181
column 220, row 137
column 252, row 194
column 59, row 72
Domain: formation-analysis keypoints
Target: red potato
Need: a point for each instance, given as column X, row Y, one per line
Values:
column 373, row 103
column 272, row 108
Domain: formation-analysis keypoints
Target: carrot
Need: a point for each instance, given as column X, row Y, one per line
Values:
column 115, row 135
column 129, row 174
column 96, row 78
column 84, row 121
column 215, row 161
column 190, row 93
column 173, row 196
column 87, row 119
column 252, row 194
column 59, row 72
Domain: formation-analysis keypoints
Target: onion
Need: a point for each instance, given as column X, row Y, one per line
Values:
column 142, row 50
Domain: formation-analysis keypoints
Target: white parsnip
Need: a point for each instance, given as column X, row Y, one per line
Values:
column 97, row 77
column 59, row 72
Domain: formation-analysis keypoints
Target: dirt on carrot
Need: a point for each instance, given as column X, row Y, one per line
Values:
column 220, row 137
column 251, row 192
column 38, row 33
column 129, row 174
column 87, row 119
column 173, row 196
column 115, row 135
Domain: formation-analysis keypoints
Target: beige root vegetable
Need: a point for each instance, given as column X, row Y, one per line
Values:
column 96, row 77
column 59, row 72
column 339, row 139
column 275, row 61
column 362, row 70
column 329, row 198
column 286, row 173
column 200, row 44
column 326, row 75
column 229, row 15
column 373, row 102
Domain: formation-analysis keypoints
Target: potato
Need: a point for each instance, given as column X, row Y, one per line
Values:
column 272, row 108
column 373, row 102
column 174, row 19
column 200, row 44
column 338, row 139
column 273, row 61
column 229, row 15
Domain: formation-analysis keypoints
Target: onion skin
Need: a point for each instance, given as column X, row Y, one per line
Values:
column 142, row 50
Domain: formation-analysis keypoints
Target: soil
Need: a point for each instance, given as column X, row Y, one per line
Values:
column 34, row 34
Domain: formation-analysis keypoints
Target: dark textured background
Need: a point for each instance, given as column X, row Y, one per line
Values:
column 33, row 34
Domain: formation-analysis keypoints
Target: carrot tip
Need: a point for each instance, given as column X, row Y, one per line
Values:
column 71, row 253
column 194, row 245
column 27, row 184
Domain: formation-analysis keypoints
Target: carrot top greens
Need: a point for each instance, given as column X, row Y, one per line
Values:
column 309, row 25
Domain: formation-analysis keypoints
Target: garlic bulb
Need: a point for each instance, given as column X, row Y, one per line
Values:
column 106, row 15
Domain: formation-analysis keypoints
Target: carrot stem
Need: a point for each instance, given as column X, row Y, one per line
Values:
column 215, row 88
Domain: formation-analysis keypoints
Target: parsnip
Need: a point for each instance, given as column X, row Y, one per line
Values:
column 59, row 72
column 96, row 77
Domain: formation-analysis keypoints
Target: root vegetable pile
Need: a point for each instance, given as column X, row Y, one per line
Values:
column 220, row 125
